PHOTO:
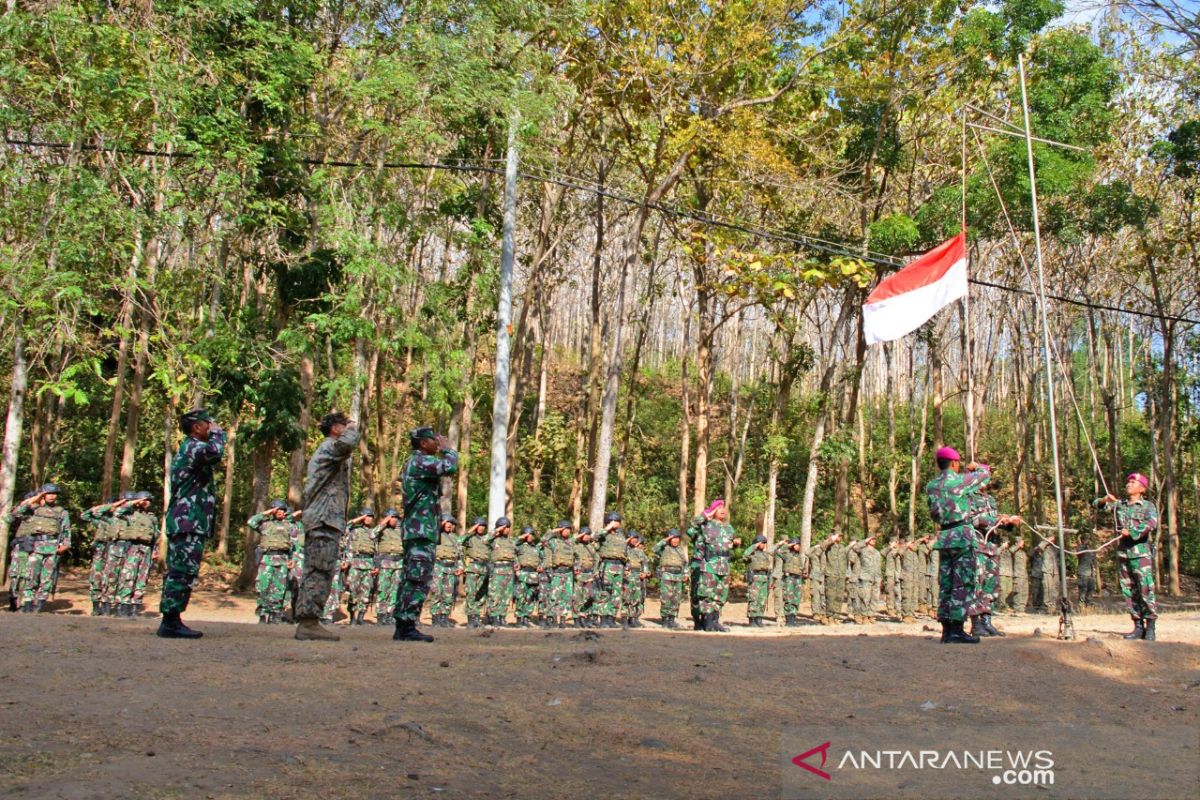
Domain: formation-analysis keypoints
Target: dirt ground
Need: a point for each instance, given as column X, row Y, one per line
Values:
column 101, row 708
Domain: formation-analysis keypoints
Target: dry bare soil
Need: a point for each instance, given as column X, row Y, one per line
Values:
column 100, row 708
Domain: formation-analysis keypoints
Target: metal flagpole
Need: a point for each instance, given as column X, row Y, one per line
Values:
column 966, row 338
column 1066, row 629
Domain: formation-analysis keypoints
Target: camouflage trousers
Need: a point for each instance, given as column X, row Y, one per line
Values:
column 18, row 563
column 135, row 570
column 445, row 584
column 985, row 585
column 475, row 603
column 865, row 598
column 525, row 593
column 634, row 596
column 610, row 582
column 712, row 592
column 40, row 571
column 1006, row 589
column 758, row 588
column 1036, row 597
column 909, row 591
column 185, row 552
column 416, row 577
column 271, row 583
column 320, row 562
column 561, row 588
column 360, row 583
column 694, row 590
column 95, row 574
column 835, row 593
column 500, row 588
column 387, row 586
column 816, row 591
column 1051, row 590
column 1019, row 597
column 333, row 603
column 110, row 573
column 793, row 593
column 583, row 602
column 931, row 584
column 1136, row 576
column 670, row 593
column 958, row 594
column 1087, row 587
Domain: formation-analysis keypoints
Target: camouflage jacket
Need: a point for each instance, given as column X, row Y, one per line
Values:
column 757, row 560
column 558, row 553
column 190, row 509
column 327, row 484
column 870, row 563
column 1139, row 519
column 713, row 542
column 950, row 496
column 671, row 557
column 50, row 525
column 421, row 483
column 359, row 541
column 790, row 561
column 638, row 562
column 103, row 518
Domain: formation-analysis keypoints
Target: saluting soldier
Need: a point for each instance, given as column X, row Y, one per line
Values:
column 610, row 577
column 791, row 558
column 502, row 571
column 636, row 573
column 104, row 522
column 672, row 557
column 1136, row 518
column 715, row 540
column 476, row 555
column 525, row 587
column 447, row 568
column 359, row 554
column 138, row 534
column 758, row 580
column 949, row 497
column 558, row 561
column 583, row 605
column 48, row 526
column 275, row 555
column 389, row 560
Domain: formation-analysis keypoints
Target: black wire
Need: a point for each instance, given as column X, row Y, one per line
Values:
column 828, row 248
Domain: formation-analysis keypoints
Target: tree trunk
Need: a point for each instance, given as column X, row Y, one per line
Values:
column 227, row 495
column 296, row 460
column 263, row 460
column 13, row 425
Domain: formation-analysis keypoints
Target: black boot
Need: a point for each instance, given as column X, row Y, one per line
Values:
column 607, row 622
column 37, row 606
column 989, row 627
column 1138, row 632
column 27, row 608
column 977, row 626
column 636, row 622
column 384, row 619
column 472, row 622
column 1149, row 634
column 406, row 631
column 668, row 622
column 580, row 622
column 264, row 619
column 172, row 627
column 95, row 609
column 125, row 611
column 956, row 634
column 112, row 609
column 716, row 621
column 545, row 622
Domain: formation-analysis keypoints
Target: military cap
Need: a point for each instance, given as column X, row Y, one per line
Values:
column 478, row 521
column 278, row 505
column 503, row 522
column 196, row 415
column 142, row 495
column 585, row 529
column 528, row 529
column 391, row 512
column 366, row 511
column 127, row 496
column 419, row 434
column 760, row 539
column 637, row 537
column 673, row 534
column 563, row 523
column 794, row 540
column 612, row 516
column 453, row 520
column 50, row 488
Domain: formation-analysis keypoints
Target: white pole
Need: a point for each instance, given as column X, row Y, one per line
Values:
column 500, row 410
column 1066, row 630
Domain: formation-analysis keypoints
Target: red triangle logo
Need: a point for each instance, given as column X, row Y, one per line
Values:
column 799, row 760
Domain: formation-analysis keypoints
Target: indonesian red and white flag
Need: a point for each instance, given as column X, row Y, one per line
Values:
column 905, row 301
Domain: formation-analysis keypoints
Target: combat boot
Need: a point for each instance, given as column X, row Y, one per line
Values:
column 956, row 634
column 977, row 628
column 636, row 623
column 310, row 630
column 125, row 611
column 406, row 631
column 172, row 627
column 472, row 622
column 1149, row 634
column 609, row 621
column 276, row 618
column 989, row 627
column 37, row 606
column 113, row 608
column 1138, row 632
column 264, row 619
column 383, row 620
column 545, row 622
column 668, row 623
column 561, row 622
column 95, row 609
column 580, row 622
column 27, row 608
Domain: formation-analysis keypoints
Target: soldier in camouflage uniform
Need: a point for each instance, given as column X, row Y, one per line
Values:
column 275, row 557
column 138, row 536
column 583, row 603
column 791, row 574
column 103, row 521
column 637, row 570
column 910, row 580
column 389, row 561
column 758, row 579
column 20, row 547
column 359, row 552
column 48, row 525
column 868, row 564
column 501, row 572
column 447, row 568
column 1037, row 597
column 1051, row 579
column 476, row 556
column 189, row 517
column 927, row 577
column 525, row 585
column 1020, row 580
column 326, row 496
column 987, row 519
column 296, row 566
column 1136, row 518
column 715, row 540
column 610, row 577
column 422, row 485
column 837, row 565
column 891, row 570
column 671, row 557
column 1085, row 571
column 558, row 562
column 814, row 571
column 949, row 496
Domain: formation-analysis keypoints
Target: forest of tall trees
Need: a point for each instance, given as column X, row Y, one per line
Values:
column 272, row 209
